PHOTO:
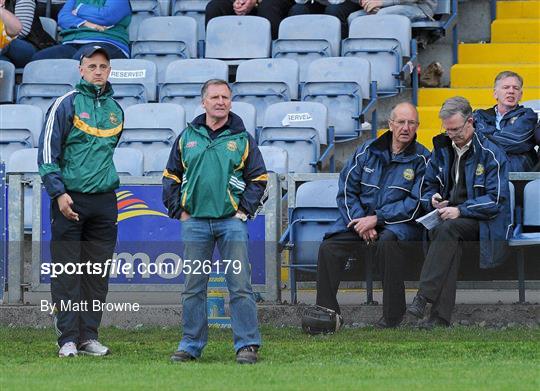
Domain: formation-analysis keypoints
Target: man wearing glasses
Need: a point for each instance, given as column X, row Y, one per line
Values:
column 466, row 181
column 378, row 200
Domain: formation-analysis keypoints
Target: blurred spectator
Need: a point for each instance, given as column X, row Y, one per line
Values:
column 84, row 24
column 56, row 6
column 413, row 9
column 338, row 8
column 273, row 10
column 10, row 26
column 508, row 124
column 30, row 39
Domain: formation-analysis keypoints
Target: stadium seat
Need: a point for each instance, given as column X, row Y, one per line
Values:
column 49, row 25
column 24, row 161
column 382, row 40
column 342, row 84
column 133, row 81
column 152, row 126
column 444, row 18
column 192, row 8
column 275, row 159
column 141, row 10
column 310, row 218
column 533, row 104
column 300, row 128
column 7, row 82
column 246, row 111
column 306, row 38
column 527, row 230
column 238, row 38
column 20, row 127
column 263, row 82
column 45, row 80
column 155, row 164
column 165, row 39
column 128, row 161
column 185, row 78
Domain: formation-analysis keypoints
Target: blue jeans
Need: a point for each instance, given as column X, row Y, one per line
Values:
column 410, row 11
column 19, row 52
column 199, row 237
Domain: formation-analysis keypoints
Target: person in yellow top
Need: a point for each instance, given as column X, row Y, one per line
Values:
column 10, row 26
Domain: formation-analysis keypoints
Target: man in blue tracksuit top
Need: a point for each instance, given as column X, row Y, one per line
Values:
column 467, row 181
column 378, row 200
column 508, row 124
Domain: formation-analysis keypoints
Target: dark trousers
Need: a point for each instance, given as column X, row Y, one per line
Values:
column 74, row 51
column 440, row 270
column 340, row 11
column 388, row 252
column 273, row 10
column 92, row 238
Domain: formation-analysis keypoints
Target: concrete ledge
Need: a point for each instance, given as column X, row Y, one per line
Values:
column 491, row 315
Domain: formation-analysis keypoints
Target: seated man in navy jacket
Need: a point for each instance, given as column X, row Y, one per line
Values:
column 467, row 181
column 508, row 124
column 378, row 199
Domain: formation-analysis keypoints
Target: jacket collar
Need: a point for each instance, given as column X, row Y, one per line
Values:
column 234, row 123
column 93, row 90
column 492, row 113
column 384, row 143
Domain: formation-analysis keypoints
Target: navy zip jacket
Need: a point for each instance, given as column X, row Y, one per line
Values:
column 515, row 137
column 488, row 194
column 375, row 183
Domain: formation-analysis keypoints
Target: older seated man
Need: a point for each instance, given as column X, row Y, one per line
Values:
column 508, row 124
column 466, row 184
column 378, row 200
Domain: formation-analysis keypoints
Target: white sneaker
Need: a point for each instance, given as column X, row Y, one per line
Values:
column 93, row 347
column 69, row 349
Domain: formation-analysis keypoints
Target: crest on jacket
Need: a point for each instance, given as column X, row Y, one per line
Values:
column 479, row 169
column 113, row 119
column 408, row 174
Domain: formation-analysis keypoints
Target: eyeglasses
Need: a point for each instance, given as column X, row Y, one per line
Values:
column 402, row 122
column 455, row 130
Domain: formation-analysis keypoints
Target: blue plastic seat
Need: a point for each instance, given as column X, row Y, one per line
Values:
column 263, row 82
column 133, row 81
column 305, row 38
column 45, row 80
column 238, row 38
column 527, row 230
column 164, row 39
column 152, row 126
column 185, row 78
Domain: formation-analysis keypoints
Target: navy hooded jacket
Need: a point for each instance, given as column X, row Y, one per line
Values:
column 488, row 194
column 515, row 137
column 375, row 183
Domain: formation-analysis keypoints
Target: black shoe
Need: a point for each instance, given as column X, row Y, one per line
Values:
column 384, row 324
column 182, row 356
column 432, row 322
column 418, row 306
column 247, row 355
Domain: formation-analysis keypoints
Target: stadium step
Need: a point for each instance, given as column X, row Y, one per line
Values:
column 518, row 9
column 479, row 97
column 482, row 75
column 498, row 53
column 515, row 30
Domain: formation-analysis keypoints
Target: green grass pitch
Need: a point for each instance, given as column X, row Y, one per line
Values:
column 354, row 359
